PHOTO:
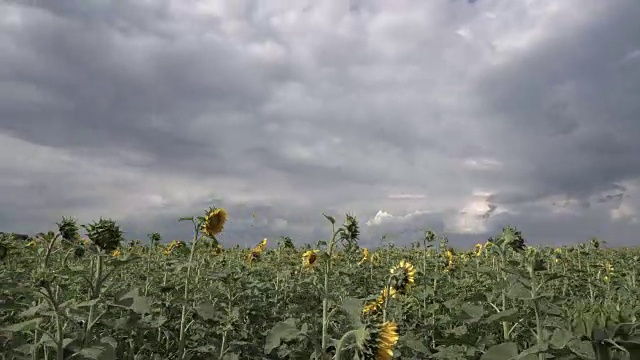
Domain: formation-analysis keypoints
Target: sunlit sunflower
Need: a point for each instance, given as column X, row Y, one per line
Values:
column 214, row 222
column 262, row 246
column 379, row 342
column 450, row 260
column 403, row 276
column 376, row 305
column 32, row 244
column 477, row 250
column 174, row 246
column 116, row 253
column 309, row 258
column 365, row 256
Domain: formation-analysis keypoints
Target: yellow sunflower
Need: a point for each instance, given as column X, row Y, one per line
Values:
column 477, row 250
column 174, row 245
column 262, row 246
column 214, row 222
column 403, row 276
column 379, row 341
column 309, row 258
column 450, row 260
column 116, row 253
column 365, row 256
column 375, row 306
column 252, row 256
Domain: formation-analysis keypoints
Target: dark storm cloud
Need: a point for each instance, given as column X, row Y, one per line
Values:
column 445, row 115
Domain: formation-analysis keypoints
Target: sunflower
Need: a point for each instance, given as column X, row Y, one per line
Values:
column 252, row 256
column 214, row 222
column 375, row 306
column 309, row 258
column 262, row 246
column 365, row 256
column 116, row 253
column 403, row 276
column 477, row 250
column 174, row 246
column 379, row 341
column 450, row 260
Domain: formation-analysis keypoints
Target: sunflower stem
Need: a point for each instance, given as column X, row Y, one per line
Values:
column 183, row 317
column 325, row 300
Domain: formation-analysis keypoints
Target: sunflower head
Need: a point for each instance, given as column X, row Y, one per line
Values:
column 214, row 222
column 174, row 246
column 477, row 250
column 262, row 246
column 379, row 341
column 252, row 256
column 403, row 276
column 116, row 253
column 309, row 258
column 376, row 305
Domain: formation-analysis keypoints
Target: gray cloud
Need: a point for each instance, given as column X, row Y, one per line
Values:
column 459, row 116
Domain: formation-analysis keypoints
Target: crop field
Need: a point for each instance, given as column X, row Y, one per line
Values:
column 86, row 293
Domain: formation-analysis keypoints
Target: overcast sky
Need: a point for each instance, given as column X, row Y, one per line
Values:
column 460, row 116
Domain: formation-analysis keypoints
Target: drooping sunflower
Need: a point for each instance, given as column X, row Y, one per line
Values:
column 403, row 276
column 309, row 258
column 214, row 222
column 379, row 341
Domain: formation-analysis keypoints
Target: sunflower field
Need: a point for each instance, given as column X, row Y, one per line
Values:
column 64, row 295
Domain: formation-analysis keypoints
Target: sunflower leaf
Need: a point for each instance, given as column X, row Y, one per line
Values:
column 504, row 351
column 284, row 330
column 353, row 308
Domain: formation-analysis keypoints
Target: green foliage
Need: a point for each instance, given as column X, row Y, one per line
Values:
column 508, row 301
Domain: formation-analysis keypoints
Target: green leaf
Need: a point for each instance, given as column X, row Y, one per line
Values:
column 132, row 300
column 284, row 330
column 458, row 331
column 560, row 338
column 206, row 310
column 32, row 311
column 412, row 342
column 582, row 348
column 23, row 326
column 504, row 351
column 353, row 308
column 519, row 291
column 507, row 315
column 474, row 311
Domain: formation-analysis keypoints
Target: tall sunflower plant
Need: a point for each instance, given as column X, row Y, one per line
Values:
column 210, row 225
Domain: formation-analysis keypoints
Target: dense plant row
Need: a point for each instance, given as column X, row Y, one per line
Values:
column 67, row 296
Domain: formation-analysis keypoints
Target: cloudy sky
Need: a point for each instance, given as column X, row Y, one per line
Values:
column 460, row 116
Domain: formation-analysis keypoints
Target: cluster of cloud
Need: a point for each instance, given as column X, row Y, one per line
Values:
column 460, row 116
